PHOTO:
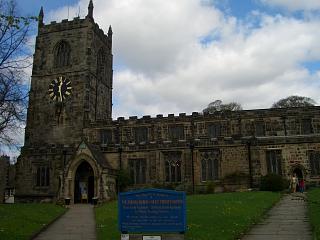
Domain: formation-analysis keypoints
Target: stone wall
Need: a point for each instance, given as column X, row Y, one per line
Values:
column 52, row 122
column 4, row 170
column 53, row 157
column 55, row 128
column 242, row 133
column 233, row 125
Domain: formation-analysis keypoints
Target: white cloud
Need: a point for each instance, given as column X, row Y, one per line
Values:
column 294, row 5
column 165, row 68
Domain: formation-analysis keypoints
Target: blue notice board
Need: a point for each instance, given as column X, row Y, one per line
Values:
column 152, row 210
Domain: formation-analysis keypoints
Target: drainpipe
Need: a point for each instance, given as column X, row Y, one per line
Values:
column 120, row 168
column 120, row 147
column 192, row 145
column 120, row 157
column 249, row 162
column 63, row 170
column 192, row 165
column 284, row 125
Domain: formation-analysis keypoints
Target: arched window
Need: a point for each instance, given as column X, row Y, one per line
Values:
column 137, row 168
column 101, row 63
column 210, row 165
column 173, row 166
column 62, row 54
column 43, row 176
column 314, row 161
column 273, row 158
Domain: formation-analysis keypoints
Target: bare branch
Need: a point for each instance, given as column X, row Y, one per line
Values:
column 13, row 61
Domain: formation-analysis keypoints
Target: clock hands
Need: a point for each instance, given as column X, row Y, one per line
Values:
column 59, row 88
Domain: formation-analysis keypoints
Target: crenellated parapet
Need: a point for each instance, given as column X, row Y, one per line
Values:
column 64, row 25
column 76, row 23
column 220, row 128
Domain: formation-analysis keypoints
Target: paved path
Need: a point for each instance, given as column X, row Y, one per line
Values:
column 77, row 223
column 286, row 220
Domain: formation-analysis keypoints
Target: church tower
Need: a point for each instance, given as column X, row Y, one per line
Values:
column 71, row 89
column 71, row 84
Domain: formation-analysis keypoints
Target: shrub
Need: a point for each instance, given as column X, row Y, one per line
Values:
column 273, row 182
column 210, row 187
column 123, row 179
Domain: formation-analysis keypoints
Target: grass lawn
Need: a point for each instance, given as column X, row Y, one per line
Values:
column 214, row 216
column 21, row 221
column 314, row 210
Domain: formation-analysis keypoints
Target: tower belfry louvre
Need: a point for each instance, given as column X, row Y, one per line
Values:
column 74, row 149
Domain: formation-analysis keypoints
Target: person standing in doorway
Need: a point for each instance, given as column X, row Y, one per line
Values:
column 294, row 183
column 301, row 185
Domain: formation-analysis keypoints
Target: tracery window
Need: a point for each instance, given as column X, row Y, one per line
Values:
column 314, row 160
column 214, row 130
column 176, row 132
column 141, row 134
column 106, row 136
column 306, row 127
column 62, row 54
column 210, row 165
column 43, row 176
column 137, row 168
column 259, row 129
column 273, row 158
column 172, row 166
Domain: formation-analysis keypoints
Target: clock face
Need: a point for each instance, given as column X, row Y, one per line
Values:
column 59, row 89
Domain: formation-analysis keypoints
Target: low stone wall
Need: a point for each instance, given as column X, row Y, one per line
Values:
column 34, row 198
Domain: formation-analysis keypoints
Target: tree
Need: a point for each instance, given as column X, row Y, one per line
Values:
column 218, row 106
column 294, row 101
column 14, row 59
column 123, row 179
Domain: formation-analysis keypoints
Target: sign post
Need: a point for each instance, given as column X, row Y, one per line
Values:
column 152, row 214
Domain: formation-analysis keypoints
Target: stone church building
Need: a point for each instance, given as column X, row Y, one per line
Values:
column 74, row 149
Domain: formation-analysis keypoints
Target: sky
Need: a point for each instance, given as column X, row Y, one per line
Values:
column 180, row 55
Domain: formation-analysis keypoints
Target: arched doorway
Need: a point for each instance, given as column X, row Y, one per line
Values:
column 299, row 173
column 84, row 183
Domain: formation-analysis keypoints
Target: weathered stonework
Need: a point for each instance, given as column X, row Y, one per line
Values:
column 185, row 151
column 3, row 176
column 6, row 173
column 237, row 133
column 54, row 129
